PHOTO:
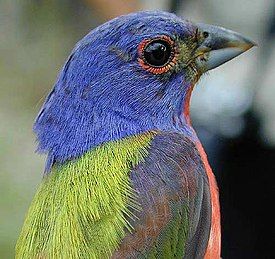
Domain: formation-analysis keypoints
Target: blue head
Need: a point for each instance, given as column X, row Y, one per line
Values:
column 129, row 75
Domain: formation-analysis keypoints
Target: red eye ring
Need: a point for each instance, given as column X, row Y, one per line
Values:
column 171, row 62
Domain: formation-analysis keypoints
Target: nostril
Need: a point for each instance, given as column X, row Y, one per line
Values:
column 205, row 34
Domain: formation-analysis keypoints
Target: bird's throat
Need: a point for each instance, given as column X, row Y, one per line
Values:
column 186, row 105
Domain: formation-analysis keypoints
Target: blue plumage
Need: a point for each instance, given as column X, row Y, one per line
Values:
column 103, row 94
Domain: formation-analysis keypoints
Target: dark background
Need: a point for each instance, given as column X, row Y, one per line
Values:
column 233, row 108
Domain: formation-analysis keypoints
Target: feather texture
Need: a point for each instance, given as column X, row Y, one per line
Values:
column 125, row 175
column 82, row 208
column 173, row 192
column 145, row 196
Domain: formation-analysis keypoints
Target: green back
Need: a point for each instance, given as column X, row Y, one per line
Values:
column 81, row 208
column 171, row 242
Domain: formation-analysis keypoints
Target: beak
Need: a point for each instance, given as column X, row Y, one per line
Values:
column 219, row 46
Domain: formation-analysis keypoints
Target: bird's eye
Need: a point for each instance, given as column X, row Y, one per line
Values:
column 157, row 55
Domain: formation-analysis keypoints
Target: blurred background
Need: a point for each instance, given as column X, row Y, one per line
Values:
column 233, row 108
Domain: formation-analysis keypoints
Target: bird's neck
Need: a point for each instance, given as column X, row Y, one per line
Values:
column 186, row 106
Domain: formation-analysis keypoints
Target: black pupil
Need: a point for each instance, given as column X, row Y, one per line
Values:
column 205, row 34
column 157, row 53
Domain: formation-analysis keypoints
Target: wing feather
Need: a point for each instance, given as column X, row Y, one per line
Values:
column 173, row 191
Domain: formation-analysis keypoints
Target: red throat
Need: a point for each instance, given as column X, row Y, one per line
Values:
column 186, row 107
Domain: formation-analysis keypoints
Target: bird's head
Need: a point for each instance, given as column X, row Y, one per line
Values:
column 130, row 75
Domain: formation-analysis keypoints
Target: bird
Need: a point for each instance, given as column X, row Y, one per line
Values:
column 126, row 175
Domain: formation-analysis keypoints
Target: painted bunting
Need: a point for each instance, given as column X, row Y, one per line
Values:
column 126, row 175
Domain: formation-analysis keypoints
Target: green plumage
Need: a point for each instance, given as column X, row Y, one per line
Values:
column 172, row 240
column 81, row 208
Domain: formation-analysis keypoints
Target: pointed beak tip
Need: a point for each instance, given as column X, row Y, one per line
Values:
column 248, row 44
column 232, row 39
